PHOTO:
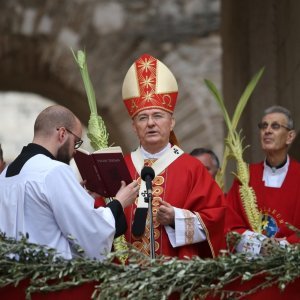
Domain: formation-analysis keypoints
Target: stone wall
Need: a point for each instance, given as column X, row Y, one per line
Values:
column 35, row 42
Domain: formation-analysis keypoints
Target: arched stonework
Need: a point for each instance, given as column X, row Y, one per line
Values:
column 35, row 42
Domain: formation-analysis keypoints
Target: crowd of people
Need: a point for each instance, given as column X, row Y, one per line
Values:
column 40, row 195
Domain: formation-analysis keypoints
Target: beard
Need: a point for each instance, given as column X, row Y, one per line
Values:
column 63, row 153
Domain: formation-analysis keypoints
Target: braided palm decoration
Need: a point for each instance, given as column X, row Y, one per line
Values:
column 97, row 132
column 234, row 149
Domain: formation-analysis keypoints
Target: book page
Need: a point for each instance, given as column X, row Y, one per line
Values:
column 115, row 149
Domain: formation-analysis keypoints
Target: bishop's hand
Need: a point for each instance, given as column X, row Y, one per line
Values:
column 165, row 214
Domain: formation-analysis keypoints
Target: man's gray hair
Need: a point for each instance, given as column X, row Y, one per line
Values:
column 282, row 110
column 200, row 151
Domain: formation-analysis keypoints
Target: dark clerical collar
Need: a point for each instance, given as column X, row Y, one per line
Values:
column 27, row 152
column 276, row 167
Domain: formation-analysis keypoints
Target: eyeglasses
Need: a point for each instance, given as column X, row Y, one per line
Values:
column 274, row 126
column 157, row 117
column 79, row 141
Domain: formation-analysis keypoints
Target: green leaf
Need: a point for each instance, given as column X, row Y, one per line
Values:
column 245, row 97
column 213, row 89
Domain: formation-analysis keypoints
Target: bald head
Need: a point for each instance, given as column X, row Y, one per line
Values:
column 54, row 117
column 58, row 130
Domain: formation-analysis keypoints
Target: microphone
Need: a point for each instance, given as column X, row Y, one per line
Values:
column 147, row 174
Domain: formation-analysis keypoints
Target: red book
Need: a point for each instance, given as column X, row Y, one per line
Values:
column 103, row 170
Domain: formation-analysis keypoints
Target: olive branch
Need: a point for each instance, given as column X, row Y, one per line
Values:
column 145, row 278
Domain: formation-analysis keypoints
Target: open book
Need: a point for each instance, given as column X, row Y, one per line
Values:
column 103, row 169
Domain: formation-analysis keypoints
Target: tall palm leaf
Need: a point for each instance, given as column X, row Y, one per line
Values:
column 97, row 132
column 234, row 148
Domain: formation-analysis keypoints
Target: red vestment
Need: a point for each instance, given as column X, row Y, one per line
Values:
column 278, row 206
column 187, row 185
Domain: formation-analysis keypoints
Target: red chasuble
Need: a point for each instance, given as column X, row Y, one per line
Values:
column 278, row 205
column 185, row 184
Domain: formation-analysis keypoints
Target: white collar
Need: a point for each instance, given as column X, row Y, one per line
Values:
column 157, row 155
column 274, row 177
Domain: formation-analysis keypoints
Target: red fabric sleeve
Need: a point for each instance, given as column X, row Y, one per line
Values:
column 100, row 201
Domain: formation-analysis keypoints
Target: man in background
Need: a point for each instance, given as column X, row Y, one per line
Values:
column 208, row 158
column 275, row 181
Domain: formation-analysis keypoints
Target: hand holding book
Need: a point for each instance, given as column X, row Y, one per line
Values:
column 127, row 193
column 103, row 170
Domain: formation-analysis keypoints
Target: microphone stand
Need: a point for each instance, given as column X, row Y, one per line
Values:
column 152, row 240
column 147, row 174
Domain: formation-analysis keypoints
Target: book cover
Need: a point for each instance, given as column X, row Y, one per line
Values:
column 103, row 170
